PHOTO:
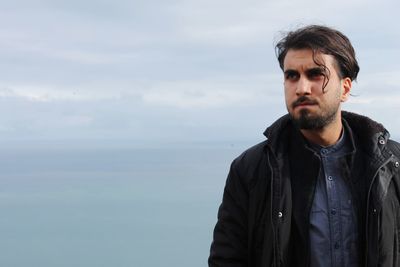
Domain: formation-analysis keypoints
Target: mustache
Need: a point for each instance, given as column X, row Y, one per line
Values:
column 303, row 100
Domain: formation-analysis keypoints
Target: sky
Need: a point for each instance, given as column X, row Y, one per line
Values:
column 159, row 71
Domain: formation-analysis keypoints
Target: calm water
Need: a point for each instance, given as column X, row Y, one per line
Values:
column 110, row 207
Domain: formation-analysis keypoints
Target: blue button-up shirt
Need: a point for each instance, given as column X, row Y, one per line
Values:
column 333, row 225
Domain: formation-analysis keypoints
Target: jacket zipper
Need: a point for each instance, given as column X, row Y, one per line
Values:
column 275, row 222
column 367, row 211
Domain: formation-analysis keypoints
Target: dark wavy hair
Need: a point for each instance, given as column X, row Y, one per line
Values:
column 324, row 40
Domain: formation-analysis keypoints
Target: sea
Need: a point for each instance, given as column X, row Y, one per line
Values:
column 105, row 206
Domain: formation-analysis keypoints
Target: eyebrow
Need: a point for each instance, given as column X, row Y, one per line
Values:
column 290, row 71
column 313, row 70
column 316, row 70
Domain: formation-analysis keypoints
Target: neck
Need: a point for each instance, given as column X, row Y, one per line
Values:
column 325, row 136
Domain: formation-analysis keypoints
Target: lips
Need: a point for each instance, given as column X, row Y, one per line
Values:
column 308, row 103
column 303, row 102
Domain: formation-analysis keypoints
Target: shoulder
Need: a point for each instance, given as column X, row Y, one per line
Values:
column 251, row 165
column 394, row 147
column 251, row 155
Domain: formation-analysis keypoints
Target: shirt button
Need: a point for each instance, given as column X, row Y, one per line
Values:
column 337, row 246
column 330, row 178
column 333, row 212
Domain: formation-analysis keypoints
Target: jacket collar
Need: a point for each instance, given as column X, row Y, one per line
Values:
column 371, row 134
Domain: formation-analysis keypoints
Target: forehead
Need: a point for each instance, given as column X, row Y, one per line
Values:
column 303, row 59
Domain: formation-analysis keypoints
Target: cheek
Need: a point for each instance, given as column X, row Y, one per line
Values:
column 288, row 97
column 289, row 90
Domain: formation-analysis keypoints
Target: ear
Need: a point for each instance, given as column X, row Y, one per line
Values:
column 346, row 88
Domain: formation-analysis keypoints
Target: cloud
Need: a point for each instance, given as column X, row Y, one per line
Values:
column 224, row 91
column 239, row 91
column 378, row 101
column 81, row 93
column 129, row 68
column 197, row 98
column 381, row 80
column 235, row 23
column 46, row 94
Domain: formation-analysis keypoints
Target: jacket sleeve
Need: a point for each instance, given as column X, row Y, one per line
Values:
column 229, row 246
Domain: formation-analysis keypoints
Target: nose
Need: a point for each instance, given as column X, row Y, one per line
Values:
column 303, row 86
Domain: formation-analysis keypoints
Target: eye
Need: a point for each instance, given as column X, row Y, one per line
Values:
column 291, row 75
column 315, row 74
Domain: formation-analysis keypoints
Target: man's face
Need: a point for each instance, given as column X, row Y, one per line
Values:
column 310, row 104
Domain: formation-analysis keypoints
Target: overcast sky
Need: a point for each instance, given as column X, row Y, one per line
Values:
column 171, row 71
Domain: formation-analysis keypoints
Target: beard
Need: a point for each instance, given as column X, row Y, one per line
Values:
column 307, row 121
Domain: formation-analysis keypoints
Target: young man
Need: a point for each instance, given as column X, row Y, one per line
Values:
column 323, row 189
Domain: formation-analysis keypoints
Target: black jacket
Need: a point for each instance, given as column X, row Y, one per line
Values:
column 263, row 222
